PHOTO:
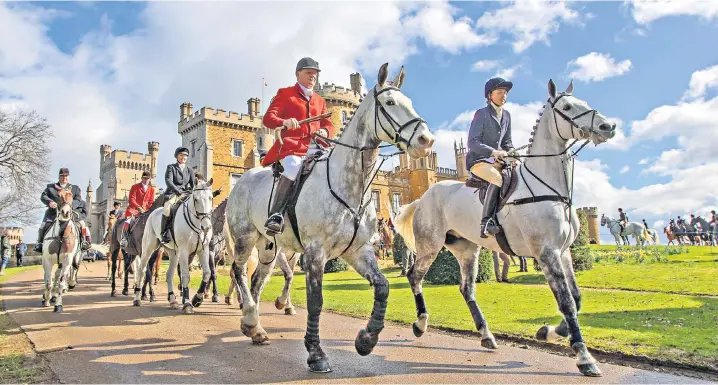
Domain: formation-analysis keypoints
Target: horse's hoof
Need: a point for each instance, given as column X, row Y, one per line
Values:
column 125, row 292
column 206, row 295
column 248, row 331
column 278, row 304
column 290, row 311
column 365, row 342
column 58, row 309
column 144, row 297
column 489, row 343
column 113, row 293
column 228, row 300
column 53, row 299
column 320, row 366
column 174, row 305
column 215, row 298
column 153, row 298
column 187, row 309
column 589, row 370
column 71, row 287
column 136, row 302
column 197, row 300
column 417, row 331
column 45, row 304
column 260, row 339
column 547, row 333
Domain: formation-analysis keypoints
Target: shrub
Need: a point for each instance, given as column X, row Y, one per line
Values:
column 398, row 249
column 335, row 265
column 580, row 251
column 445, row 269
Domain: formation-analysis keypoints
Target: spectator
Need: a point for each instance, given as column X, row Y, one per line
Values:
column 5, row 251
column 503, row 274
column 20, row 250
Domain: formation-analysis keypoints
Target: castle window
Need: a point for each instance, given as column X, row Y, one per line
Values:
column 193, row 143
column 233, row 179
column 395, row 202
column 259, row 141
column 375, row 199
column 237, row 147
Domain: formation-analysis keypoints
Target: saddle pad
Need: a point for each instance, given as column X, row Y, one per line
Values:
column 510, row 181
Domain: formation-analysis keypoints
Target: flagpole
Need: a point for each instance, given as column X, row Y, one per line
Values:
column 262, row 111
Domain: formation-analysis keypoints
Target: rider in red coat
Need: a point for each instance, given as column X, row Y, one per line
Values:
column 291, row 105
column 142, row 196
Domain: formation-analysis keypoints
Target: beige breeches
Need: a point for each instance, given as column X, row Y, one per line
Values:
column 168, row 204
column 488, row 172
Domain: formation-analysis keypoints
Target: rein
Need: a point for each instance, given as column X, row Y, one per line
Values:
column 358, row 213
column 201, row 238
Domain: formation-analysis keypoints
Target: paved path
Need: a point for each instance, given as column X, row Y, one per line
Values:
column 113, row 342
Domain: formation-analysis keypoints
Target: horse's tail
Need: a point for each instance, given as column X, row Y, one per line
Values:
column 645, row 234
column 404, row 224
column 656, row 240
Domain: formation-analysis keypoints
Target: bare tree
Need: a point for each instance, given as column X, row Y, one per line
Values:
column 24, row 161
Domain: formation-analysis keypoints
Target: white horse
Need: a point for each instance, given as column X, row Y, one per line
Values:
column 638, row 230
column 653, row 237
column 61, row 246
column 335, row 217
column 538, row 221
column 191, row 234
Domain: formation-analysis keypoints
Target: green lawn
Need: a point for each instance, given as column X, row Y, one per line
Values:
column 664, row 326
column 18, row 363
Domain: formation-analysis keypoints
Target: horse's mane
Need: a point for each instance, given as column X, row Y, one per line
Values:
column 534, row 129
column 218, row 215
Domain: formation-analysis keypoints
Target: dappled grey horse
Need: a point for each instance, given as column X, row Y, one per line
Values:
column 334, row 214
column 538, row 220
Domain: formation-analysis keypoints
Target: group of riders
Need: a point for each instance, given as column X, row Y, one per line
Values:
column 489, row 147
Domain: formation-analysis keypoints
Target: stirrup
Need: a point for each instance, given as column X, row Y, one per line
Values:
column 123, row 242
column 275, row 220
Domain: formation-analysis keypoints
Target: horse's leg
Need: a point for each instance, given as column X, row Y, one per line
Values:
column 64, row 274
column 109, row 268
column 148, row 278
column 553, row 268
column 149, row 245
column 213, row 278
column 158, row 262
column 314, row 261
column 205, row 262
column 187, row 307
column 367, row 266
column 113, row 257
column 287, row 266
column 120, row 262
column 232, row 286
column 169, row 276
column 259, row 280
column 467, row 254
column 428, row 245
column 47, row 265
column 129, row 260
column 242, row 251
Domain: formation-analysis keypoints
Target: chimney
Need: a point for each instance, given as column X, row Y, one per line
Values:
column 253, row 107
column 185, row 110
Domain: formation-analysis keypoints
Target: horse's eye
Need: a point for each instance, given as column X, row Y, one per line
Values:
column 390, row 103
column 566, row 107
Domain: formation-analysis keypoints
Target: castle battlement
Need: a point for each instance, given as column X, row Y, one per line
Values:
column 335, row 93
column 219, row 116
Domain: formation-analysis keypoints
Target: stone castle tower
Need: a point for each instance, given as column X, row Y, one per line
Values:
column 593, row 224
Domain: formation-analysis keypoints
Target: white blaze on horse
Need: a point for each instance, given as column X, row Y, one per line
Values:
column 538, row 220
column 331, row 214
column 61, row 246
column 637, row 230
column 191, row 231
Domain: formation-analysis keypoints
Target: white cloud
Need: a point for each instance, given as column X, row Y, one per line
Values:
column 658, row 225
column 529, row 21
column 508, row 73
column 596, row 66
column 485, row 65
column 624, row 169
column 701, row 81
column 645, row 12
column 125, row 90
column 644, row 161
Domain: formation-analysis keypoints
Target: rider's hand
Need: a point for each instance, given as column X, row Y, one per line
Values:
column 290, row 123
column 499, row 154
column 52, row 205
column 141, row 210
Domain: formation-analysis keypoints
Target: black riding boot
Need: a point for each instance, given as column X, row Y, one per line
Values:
column 275, row 222
column 40, row 234
column 488, row 226
column 165, row 229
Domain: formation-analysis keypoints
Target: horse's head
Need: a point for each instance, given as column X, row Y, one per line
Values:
column 202, row 201
column 64, row 209
column 603, row 219
column 573, row 118
column 393, row 117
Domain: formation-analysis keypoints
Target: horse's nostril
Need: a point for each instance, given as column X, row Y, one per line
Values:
column 425, row 141
column 606, row 127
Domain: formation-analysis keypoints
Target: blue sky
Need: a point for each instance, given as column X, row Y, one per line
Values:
column 129, row 66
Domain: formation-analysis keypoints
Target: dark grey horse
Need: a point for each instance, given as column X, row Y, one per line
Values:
column 133, row 248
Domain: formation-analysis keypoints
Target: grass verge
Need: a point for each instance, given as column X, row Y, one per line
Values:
column 18, row 361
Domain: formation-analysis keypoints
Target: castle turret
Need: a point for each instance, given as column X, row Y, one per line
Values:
column 253, row 107
column 105, row 151
column 154, row 149
column 460, row 155
column 88, row 201
column 357, row 82
column 593, row 225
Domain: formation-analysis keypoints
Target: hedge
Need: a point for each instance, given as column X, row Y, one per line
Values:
column 445, row 269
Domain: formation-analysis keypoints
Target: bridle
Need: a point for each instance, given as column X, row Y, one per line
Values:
column 197, row 214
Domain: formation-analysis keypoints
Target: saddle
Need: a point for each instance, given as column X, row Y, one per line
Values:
column 307, row 167
column 510, row 179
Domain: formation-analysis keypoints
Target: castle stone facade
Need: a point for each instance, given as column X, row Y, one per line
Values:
column 593, row 224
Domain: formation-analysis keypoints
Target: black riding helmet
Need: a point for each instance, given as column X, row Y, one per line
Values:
column 181, row 150
column 496, row 83
column 307, row 63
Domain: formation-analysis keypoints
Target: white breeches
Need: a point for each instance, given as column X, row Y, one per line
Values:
column 293, row 163
column 168, row 205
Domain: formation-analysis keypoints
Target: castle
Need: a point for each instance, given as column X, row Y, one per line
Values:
column 593, row 224
column 224, row 145
column 119, row 170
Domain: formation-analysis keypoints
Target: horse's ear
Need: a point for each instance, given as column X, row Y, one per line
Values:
column 569, row 89
column 551, row 88
column 383, row 74
column 399, row 80
column 211, row 180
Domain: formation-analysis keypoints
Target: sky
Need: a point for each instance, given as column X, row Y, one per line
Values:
column 116, row 73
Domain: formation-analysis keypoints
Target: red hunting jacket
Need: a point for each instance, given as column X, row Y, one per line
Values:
column 138, row 198
column 291, row 103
